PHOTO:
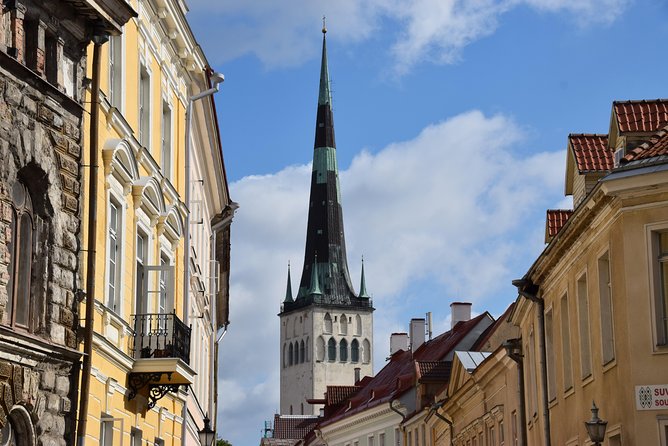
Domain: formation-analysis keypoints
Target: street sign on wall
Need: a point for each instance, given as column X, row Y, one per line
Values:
column 652, row 397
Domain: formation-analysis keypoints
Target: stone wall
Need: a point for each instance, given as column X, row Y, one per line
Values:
column 41, row 147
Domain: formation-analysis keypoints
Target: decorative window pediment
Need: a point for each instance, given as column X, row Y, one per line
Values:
column 148, row 196
column 172, row 224
column 120, row 161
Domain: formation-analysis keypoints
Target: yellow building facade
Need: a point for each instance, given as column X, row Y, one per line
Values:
column 143, row 341
column 592, row 308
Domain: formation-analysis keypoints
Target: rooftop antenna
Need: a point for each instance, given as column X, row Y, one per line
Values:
column 324, row 25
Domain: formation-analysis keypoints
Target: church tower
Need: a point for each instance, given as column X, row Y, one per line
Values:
column 327, row 329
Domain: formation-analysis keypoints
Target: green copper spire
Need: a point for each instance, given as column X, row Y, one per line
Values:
column 363, row 293
column 288, row 291
column 315, row 281
column 325, row 95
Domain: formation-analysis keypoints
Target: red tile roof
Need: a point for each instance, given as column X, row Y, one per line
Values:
column 434, row 370
column 656, row 146
column 556, row 219
column 293, row 426
column 641, row 116
column 400, row 373
column 591, row 152
column 336, row 394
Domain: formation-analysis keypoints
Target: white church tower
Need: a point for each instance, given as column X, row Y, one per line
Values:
column 327, row 330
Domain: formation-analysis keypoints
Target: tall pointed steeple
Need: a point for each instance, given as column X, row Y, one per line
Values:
column 326, row 295
column 324, row 233
column 288, row 291
column 363, row 293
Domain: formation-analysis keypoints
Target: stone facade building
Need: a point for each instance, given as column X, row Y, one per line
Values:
column 42, row 73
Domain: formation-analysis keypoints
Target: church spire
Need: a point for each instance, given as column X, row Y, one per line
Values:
column 288, row 291
column 324, row 232
column 363, row 293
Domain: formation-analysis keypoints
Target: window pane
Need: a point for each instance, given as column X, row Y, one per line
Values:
column 331, row 350
column 22, row 309
column 343, row 350
column 605, row 297
column 583, row 319
column 663, row 304
column 355, row 351
column 12, row 265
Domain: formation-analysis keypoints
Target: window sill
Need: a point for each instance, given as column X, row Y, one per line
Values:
column 660, row 349
column 587, row 379
column 609, row 365
column 553, row 402
column 568, row 392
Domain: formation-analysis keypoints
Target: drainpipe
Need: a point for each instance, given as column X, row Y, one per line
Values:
column 216, row 79
column 527, row 289
column 98, row 40
column 219, row 226
column 403, row 418
column 514, row 349
column 434, row 410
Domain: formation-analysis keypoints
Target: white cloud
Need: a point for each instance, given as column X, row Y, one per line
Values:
column 447, row 212
column 413, row 31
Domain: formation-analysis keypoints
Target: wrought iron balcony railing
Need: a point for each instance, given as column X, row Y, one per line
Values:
column 160, row 335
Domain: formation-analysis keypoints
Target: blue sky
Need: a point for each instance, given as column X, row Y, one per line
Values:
column 451, row 120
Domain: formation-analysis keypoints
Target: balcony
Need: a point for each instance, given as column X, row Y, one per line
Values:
column 161, row 350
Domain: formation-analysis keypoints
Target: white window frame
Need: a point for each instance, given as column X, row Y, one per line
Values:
column 116, row 87
column 144, row 114
column 107, row 422
column 167, row 146
column 663, row 430
column 115, row 302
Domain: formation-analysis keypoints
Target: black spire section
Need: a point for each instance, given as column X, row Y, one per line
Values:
column 325, row 264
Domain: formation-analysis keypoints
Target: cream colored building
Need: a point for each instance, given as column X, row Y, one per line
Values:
column 480, row 404
column 162, row 235
column 599, row 289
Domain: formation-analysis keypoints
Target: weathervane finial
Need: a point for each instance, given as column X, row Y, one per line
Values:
column 324, row 25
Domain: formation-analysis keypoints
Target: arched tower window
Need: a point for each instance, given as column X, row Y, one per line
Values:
column 328, row 323
column 296, row 344
column 285, row 355
column 290, row 353
column 343, row 325
column 290, row 409
column 366, row 351
column 306, row 358
column 331, row 350
column 355, row 351
column 302, row 352
column 302, row 409
column 320, row 349
column 358, row 325
column 343, row 350
column 19, row 311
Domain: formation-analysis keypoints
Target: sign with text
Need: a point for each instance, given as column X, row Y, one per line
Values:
column 652, row 397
